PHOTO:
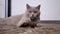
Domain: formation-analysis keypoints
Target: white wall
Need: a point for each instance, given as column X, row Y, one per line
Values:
column 2, row 8
column 50, row 9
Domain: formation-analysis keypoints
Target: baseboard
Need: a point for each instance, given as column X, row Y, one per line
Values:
column 50, row 21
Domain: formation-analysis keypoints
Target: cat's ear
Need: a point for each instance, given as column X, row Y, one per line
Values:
column 27, row 6
column 38, row 7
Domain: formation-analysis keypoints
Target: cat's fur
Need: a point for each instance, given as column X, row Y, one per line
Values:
column 30, row 18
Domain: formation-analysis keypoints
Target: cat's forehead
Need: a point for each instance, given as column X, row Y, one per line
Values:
column 33, row 8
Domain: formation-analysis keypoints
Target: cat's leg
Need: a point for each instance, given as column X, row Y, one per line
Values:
column 23, row 21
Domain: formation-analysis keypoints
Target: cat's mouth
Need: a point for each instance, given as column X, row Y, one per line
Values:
column 33, row 18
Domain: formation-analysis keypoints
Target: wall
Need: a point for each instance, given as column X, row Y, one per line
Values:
column 2, row 8
column 50, row 9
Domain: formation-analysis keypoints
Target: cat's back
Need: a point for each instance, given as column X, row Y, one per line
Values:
column 13, row 19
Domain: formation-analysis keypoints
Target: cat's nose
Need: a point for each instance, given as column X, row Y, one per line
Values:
column 32, row 17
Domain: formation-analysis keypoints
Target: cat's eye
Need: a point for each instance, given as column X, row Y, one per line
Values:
column 30, row 11
column 35, row 11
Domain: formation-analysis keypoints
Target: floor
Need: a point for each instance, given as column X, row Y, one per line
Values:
column 46, row 27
